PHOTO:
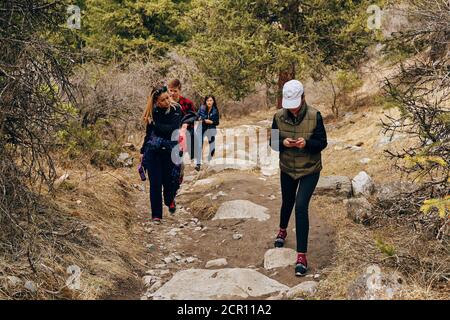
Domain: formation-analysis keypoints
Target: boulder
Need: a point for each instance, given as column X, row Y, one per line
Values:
column 279, row 258
column 374, row 284
column 358, row 209
column 387, row 193
column 362, row 184
column 336, row 186
column 241, row 209
column 218, row 284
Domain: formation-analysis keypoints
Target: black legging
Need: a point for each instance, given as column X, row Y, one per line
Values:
column 160, row 172
column 300, row 198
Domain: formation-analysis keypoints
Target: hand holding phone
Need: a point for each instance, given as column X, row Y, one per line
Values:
column 289, row 142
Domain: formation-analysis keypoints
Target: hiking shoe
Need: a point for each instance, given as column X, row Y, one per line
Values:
column 302, row 265
column 281, row 237
column 198, row 167
column 156, row 220
column 172, row 207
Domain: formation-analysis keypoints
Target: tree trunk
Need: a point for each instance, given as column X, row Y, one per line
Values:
column 283, row 77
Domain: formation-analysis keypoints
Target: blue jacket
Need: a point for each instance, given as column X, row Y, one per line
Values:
column 213, row 115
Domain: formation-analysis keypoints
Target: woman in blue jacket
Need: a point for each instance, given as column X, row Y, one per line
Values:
column 209, row 116
column 162, row 149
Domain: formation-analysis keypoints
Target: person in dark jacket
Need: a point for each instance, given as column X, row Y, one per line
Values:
column 162, row 149
column 300, row 137
column 187, row 106
column 209, row 116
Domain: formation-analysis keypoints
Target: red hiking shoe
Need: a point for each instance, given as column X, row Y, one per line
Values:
column 302, row 265
column 281, row 237
column 172, row 207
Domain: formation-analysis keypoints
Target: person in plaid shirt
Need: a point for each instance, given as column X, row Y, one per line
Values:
column 186, row 107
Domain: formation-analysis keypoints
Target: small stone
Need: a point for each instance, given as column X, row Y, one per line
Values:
column 365, row 160
column 358, row 209
column 316, row 276
column 216, row 263
column 279, row 258
column 198, row 228
column 31, row 286
column 14, row 281
column 272, row 197
column 355, row 148
column 168, row 260
column 155, row 286
column 237, row 236
column 173, row 232
column 362, row 184
column 60, row 180
column 78, row 202
column 306, row 288
column 149, row 280
column 190, row 259
column 160, row 266
column 177, row 256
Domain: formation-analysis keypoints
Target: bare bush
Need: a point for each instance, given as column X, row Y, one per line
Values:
column 33, row 81
column 421, row 91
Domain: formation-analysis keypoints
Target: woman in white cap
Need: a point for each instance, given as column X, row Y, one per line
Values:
column 301, row 137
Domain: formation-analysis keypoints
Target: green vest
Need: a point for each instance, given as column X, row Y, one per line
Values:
column 294, row 161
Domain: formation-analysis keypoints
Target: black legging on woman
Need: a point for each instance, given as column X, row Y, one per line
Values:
column 297, row 192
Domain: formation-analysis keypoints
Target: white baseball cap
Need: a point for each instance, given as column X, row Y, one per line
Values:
column 292, row 94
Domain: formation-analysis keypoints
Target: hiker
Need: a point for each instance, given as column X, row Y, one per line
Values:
column 187, row 106
column 209, row 116
column 162, row 149
column 301, row 139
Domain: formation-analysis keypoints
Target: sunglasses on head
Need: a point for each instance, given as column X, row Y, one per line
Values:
column 159, row 91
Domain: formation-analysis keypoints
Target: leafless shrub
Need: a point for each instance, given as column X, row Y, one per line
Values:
column 421, row 91
column 33, row 85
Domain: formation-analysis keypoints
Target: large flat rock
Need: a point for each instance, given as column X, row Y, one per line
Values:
column 241, row 209
column 203, row 284
column 279, row 258
column 336, row 186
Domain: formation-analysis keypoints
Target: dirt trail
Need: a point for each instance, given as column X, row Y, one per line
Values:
column 193, row 243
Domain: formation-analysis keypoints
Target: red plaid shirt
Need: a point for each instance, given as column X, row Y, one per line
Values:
column 186, row 105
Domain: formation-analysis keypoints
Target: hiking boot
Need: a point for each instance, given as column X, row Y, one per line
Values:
column 172, row 207
column 281, row 237
column 197, row 167
column 156, row 220
column 302, row 265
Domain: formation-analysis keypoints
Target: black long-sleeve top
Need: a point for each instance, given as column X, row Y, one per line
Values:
column 165, row 123
column 315, row 144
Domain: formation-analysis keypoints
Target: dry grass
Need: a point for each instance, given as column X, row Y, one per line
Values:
column 94, row 234
column 422, row 263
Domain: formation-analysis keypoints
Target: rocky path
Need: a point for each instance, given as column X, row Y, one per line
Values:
column 221, row 240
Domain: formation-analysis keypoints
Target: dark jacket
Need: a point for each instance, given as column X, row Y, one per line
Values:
column 164, row 124
column 213, row 115
column 309, row 125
